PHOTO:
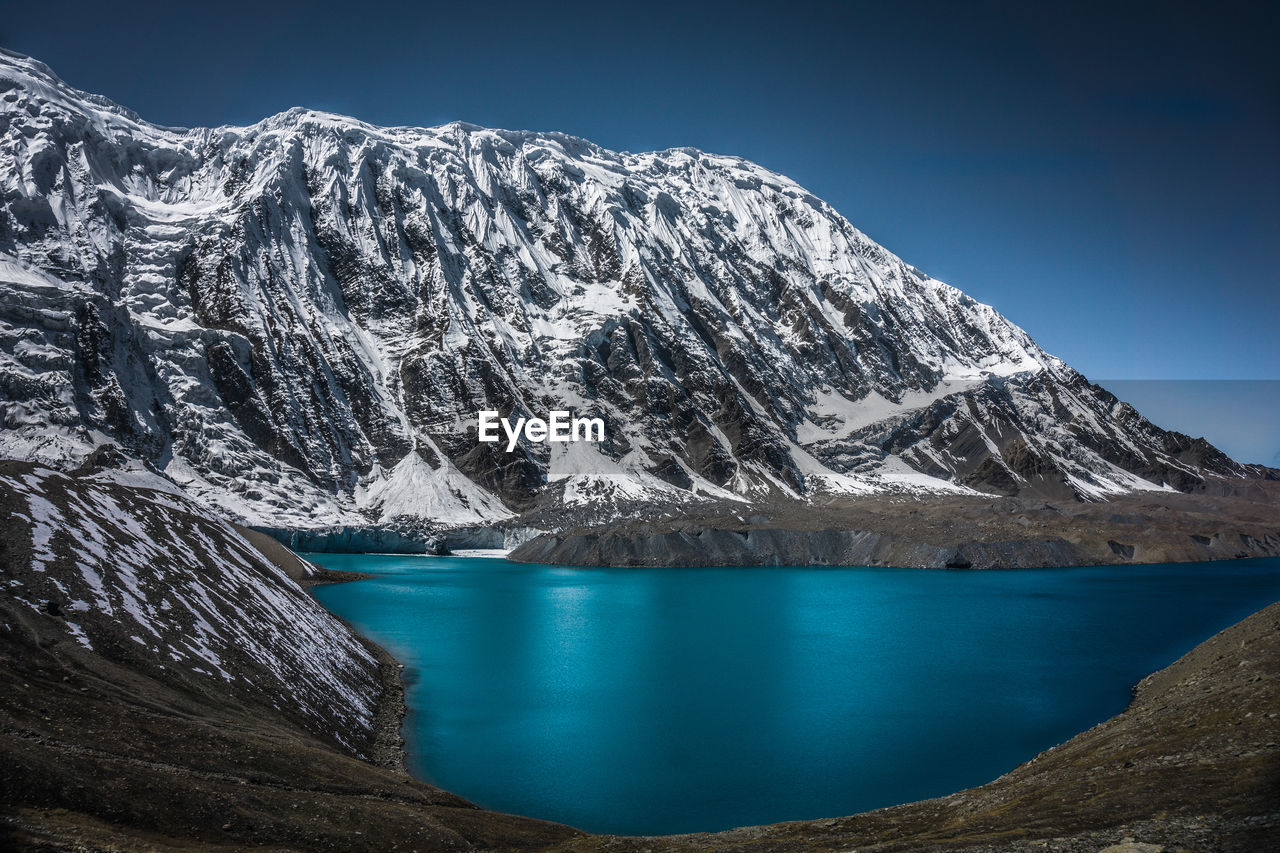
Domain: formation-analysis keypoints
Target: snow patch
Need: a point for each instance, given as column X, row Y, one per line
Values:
column 443, row 494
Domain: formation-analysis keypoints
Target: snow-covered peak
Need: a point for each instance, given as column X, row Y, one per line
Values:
column 299, row 319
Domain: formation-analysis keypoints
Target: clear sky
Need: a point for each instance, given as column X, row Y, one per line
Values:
column 1107, row 175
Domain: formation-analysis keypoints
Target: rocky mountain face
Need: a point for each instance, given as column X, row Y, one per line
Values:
column 122, row 568
column 298, row 322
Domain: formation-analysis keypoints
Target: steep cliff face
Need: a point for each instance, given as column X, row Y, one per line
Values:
column 299, row 320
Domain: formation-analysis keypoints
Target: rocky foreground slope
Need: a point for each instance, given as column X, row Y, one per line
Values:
column 298, row 321
column 186, row 693
column 167, row 685
column 144, row 578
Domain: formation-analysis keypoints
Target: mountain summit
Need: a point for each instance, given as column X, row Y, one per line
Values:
column 299, row 321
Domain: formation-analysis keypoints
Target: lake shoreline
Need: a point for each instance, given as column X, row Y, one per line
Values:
column 981, row 817
column 386, row 745
column 386, row 740
column 1178, row 768
column 961, row 532
column 1132, row 692
column 102, row 749
column 1224, row 520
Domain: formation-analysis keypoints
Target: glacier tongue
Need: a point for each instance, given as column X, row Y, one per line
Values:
column 298, row 321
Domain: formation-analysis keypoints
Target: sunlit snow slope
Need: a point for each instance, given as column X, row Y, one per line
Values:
column 298, row 321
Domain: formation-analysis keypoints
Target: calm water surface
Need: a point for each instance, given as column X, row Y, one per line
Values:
column 671, row 700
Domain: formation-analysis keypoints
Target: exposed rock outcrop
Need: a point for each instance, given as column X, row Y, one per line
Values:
column 953, row 533
column 299, row 320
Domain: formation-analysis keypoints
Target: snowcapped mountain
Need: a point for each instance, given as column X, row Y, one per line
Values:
column 298, row 322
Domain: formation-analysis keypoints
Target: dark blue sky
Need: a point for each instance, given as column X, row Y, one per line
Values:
column 1107, row 175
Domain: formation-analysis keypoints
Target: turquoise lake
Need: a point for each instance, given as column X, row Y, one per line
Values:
column 646, row 701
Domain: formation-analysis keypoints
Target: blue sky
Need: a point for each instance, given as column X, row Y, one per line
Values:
column 1241, row 418
column 1106, row 175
